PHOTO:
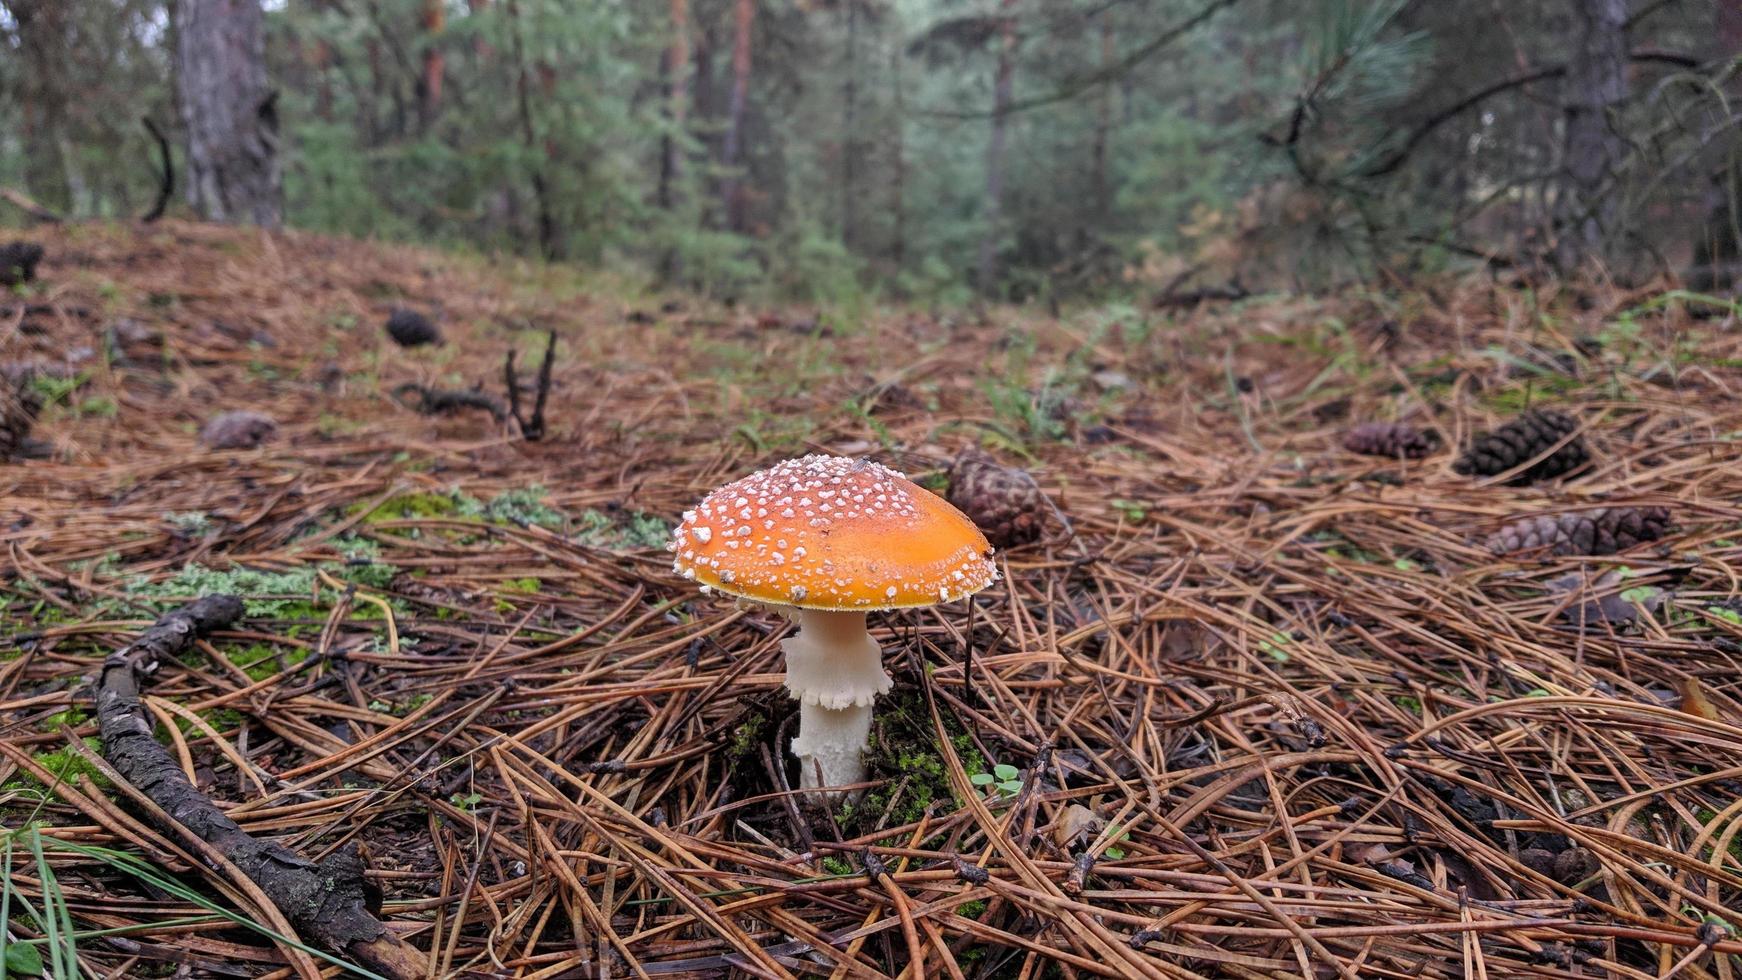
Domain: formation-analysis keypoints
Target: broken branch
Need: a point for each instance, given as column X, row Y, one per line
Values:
column 325, row 901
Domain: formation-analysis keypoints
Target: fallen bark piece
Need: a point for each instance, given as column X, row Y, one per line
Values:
column 325, row 901
column 447, row 401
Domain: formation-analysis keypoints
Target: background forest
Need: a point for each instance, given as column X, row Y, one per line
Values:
column 931, row 148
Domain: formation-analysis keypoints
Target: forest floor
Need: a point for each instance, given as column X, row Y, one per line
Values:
column 1274, row 709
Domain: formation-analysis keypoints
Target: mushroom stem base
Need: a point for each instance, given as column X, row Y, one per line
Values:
column 830, row 745
column 835, row 670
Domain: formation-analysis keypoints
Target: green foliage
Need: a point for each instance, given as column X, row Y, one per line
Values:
column 1004, row 780
column 22, row 959
column 64, row 765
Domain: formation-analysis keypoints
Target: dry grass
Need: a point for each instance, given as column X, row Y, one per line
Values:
column 1320, row 730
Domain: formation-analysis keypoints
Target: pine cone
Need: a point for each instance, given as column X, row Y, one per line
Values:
column 1524, row 438
column 1391, row 439
column 18, row 262
column 19, row 404
column 409, row 328
column 1004, row 502
column 238, row 430
column 1603, row 531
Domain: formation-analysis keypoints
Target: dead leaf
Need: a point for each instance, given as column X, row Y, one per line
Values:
column 1077, row 826
column 1694, row 701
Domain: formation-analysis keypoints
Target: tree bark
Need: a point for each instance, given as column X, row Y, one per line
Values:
column 1596, row 84
column 42, row 36
column 1104, row 123
column 230, row 112
column 849, row 123
column 1003, row 82
column 549, row 240
column 1717, row 255
column 732, row 188
column 677, row 67
column 898, row 150
column 326, row 902
column 429, row 89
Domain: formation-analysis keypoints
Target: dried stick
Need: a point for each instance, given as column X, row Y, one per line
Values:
column 325, row 901
column 531, row 429
column 446, row 401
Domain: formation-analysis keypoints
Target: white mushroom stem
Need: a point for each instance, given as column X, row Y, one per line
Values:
column 835, row 670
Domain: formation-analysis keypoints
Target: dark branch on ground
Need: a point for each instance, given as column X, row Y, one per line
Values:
column 325, row 901
column 446, row 401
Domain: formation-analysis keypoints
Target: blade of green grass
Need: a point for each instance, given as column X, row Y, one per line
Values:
column 132, row 865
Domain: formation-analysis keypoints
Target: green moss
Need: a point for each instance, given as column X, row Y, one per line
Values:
column 972, row 910
column 70, row 718
column 837, row 866
column 262, row 660
column 411, row 704
column 904, row 752
column 410, row 506
column 747, row 736
column 65, row 765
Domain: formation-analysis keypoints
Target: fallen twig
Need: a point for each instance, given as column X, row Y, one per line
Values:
column 324, row 901
column 445, row 401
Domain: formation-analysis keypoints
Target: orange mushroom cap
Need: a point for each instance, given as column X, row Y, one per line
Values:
column 827, row 532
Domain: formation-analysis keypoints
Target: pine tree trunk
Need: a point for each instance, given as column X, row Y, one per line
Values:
column 230, row 112
column 677, row 67
column 42, row 35
column 1104, row 124
column 549, row 240
column 743, row 22
column 849, row 122
column 1717, row 258
column 987, row 268
column 898, row 251
column 1596, row 84
column 429, row 88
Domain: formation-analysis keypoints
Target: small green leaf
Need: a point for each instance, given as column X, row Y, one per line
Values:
column 1725, row 613
column 1639, row 595
column 982, row 779
column 1005, row 771
column 1113, row 853
column 22, row 958
column 1011, row 786
column 1405, row 565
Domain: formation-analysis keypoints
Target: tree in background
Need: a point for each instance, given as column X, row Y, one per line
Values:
column 230, row 112
column 1595, row 88
column 930, row 148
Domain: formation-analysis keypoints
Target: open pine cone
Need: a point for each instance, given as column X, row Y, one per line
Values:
column 1602, row 531
column 1524, row 438
column 1005, row 502
column 1391, row 439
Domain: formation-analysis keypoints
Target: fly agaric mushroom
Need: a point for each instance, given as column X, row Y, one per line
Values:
column 826, row 540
